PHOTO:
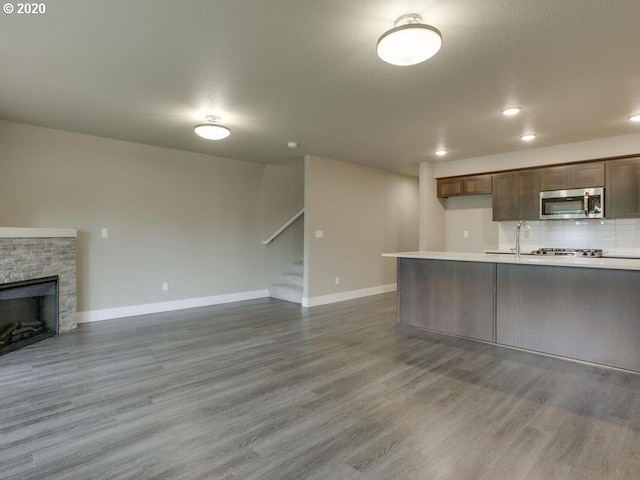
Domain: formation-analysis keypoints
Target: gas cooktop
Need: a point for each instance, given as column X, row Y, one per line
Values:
column 569, row 252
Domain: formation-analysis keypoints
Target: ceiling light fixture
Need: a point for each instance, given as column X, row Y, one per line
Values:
column 528, row 137
column 409, row 42
column 441, row 153
column 635, row 118
column 510, row 111
column 292, row 144
column 212, row 130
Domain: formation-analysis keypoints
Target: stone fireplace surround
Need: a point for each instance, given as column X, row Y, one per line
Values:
column 31, row 253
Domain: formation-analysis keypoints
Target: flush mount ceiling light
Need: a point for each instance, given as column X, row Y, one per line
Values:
column 528, row 137
column 441, row 153
column 635, row 118
column 409, row 42
column 510, row 111
column 212, row 130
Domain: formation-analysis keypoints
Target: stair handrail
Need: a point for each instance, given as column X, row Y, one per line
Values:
column 283, row 227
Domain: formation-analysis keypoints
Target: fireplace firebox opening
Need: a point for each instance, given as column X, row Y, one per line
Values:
column 28, row 312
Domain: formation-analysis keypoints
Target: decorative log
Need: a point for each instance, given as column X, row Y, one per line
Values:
column 36, row 324
column 25, row 330
column 8, row 330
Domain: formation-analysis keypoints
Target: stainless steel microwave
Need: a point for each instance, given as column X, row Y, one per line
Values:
column 577, row 203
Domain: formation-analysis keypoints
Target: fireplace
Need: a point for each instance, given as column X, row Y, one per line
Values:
column 28, row 312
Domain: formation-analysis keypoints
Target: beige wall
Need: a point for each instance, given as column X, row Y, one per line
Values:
column 198, row 221
column 362, row 212
column 281, row 196
column 532, row 157
column 431, row 210
column 474, row 213
column 188, row 219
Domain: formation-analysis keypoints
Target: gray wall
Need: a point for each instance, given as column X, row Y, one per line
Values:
column 188, row 219
column 362, row 212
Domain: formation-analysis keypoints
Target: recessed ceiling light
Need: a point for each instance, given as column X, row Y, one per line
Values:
column 528, row 137
column 441, row 153
column 510, row 111
column 212, row 130
column 635, row 118
column 409, row 42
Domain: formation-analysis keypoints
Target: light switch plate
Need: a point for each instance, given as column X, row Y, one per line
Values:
column 105, row 232
column 319, row 233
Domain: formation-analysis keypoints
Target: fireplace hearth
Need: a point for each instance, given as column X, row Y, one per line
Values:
column 28, row 312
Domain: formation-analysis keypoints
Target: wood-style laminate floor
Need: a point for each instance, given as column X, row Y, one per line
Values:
column 265, row 390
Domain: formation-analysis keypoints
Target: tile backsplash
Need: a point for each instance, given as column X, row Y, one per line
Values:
column 621, row 236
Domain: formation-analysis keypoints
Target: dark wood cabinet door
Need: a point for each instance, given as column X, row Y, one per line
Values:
column 447, row 296
column 527, row 195
column 622, row 195
column 473, row 185
column 583, row 313
column 477, row 185
column 555, row 178
column 588, row 175
column 504, row 197
column 450, row 187
column 584, row 175
column 516, row 196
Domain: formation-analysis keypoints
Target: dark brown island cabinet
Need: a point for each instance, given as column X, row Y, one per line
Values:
column 580, row 313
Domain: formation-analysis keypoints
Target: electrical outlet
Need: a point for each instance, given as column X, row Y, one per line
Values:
column 165, row 286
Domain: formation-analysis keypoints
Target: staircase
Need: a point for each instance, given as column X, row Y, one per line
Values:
column 290, row 286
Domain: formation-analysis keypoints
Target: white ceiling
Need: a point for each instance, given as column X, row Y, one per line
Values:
column 277, row 71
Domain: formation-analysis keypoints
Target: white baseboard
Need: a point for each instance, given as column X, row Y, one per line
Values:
column 133, row 310
column 341, row 297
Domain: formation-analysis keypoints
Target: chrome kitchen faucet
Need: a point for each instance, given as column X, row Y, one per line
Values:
column 521, row 224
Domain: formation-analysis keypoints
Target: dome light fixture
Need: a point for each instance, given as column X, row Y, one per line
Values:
column 212, row 130
column 441, row 153
column 511, row 111
column 528, row 137
column 635, row 118
column 409, row 42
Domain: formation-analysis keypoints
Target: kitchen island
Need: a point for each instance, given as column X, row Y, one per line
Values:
column 586, row 309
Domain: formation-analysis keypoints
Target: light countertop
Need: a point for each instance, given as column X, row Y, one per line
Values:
column 608, row 263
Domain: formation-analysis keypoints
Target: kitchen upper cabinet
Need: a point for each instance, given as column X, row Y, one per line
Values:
column 516, row 196
column 449, row 187
column 584, row 175
column 504, row 196
column 455, row 187
column 622, row 195
column 477, row 185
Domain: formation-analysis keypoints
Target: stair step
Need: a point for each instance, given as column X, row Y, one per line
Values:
column 293, row 279
column 286, row 292
column 297, row 268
